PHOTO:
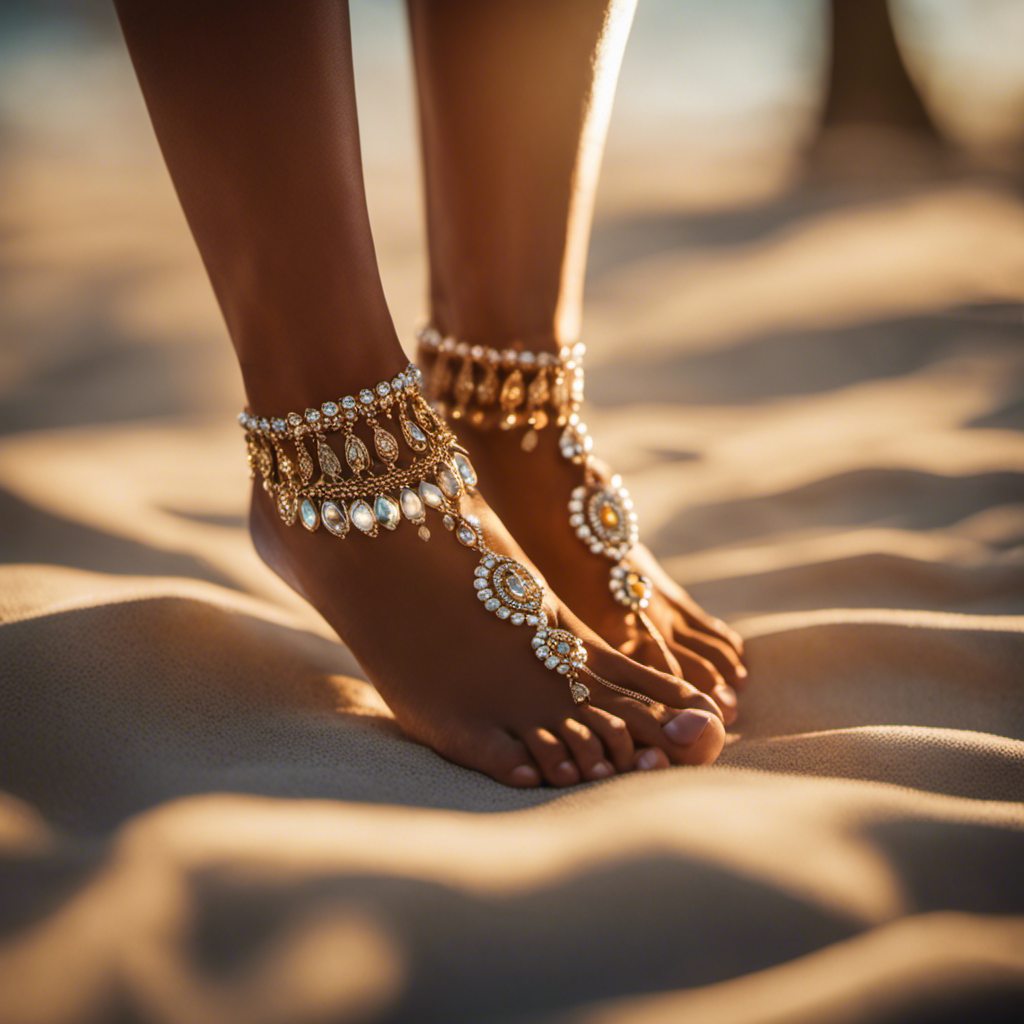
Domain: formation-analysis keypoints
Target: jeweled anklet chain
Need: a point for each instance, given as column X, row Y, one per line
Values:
column 514, row 388
column 379, row 492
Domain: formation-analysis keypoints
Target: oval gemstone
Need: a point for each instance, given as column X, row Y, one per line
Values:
column 431, row 494
column 412, row 507
column 465, row 468
column 466, row 536
column 308, row 514
column 386, row 511
column 362, row 516
column 334, row 518
column 516, row 586
column 448, row 481
column 608, row 515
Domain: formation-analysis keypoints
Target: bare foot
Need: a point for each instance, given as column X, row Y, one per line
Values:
column 467, row 684
column 531, row 491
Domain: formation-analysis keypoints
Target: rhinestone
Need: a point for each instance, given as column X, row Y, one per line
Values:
column 448, row 481
column 562, row 648
column 431, row 494
column 330, row 409
column 366, row 396
column 576, row 519
column 492, row 604
column 397, row 383
column 350, row 415
column 415, row 433
column 462, row 349
column 465, row 468
column 579, row 693
column 479, row 583
column 466, row 535
column 503, row 612
column 477, row 352
column 312, row 415
column 309, row 515
column 543, row 651
column 334, row 518
column 562, row 669
column 489, row 562
column 542, row 633
column 551, row 662
column 515, row 585
column 424, row 533
column 362, row 516
column 411, row 504
column 264, row 424
column 480, row 571
column 279, row 426
column 583, row 532
column 597, row 547
column 517, row 618
column 348, row 402
column 509, row 355
column 448, row 523
column 527, row 358
column 386, row 511
column 532, row 620
column 536, row 642
column 243, row 418
column 484, row 594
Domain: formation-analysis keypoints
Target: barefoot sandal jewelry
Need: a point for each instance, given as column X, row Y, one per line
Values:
column 380, row 492
column 511, row 388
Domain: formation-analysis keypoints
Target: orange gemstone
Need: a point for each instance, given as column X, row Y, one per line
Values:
column 608, row 514
column 637, row 588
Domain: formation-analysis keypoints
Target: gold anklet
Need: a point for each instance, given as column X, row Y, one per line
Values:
column 516, row 388
column 379, row 492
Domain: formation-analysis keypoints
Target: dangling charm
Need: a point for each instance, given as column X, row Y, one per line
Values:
column 385, row 443
column 463, row 388
column 488, row 389
column 512, row 394
column 356, row 454
column 413, row 434
column 630, row 588
column 562, row 652
column 287, row 504
column 305, row 462
column 330, row 464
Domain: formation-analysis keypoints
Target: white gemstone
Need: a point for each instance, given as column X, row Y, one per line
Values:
column 532, row 620
column 383, row 388
column 503, row 612
column 543, row 651
column 386, row 511
column 334, row 518
column 366, row 396
column 330, row 408
column 480, row 571
column 562, row 648
column 466, row 535
column 597, row 547
column 484, row 594
column 489, row 562
column 448, row 482
column 448, row 523
column 583, row 531
column 575, row 519
column 563, row 669
column 416, row 434
column 412, row 507
column 312, row 416
column 348, row 402
column 515, row 585
column 362, row 516
column 397, row 383
column 309, row 514
column 542, row 632
column 465, row 468
column 279, row 426
column 551, row 662
column 431, row 494
column 480, row 583
column 536, row 642
column 493, row 604
column 517, row 618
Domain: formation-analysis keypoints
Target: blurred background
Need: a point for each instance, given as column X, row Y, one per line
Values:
column 809, row 238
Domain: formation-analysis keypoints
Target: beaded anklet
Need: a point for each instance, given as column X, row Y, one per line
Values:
column 513, row 388
column 378, row 493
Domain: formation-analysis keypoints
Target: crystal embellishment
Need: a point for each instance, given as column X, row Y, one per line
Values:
column 448, row 481
column 386, row 511
column 334, row 518
column 431, row 494
column 412, row 505
column 362, row 517
column 465, row 468
column 309, row 515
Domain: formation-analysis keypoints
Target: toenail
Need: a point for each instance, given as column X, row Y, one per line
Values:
column 525, row 775
column 725, row 695
column 687, row 727
column 601, row 770
column 741, row 671
column 647, row 760
column 566, row 768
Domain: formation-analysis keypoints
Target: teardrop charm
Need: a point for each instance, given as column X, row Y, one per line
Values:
column 330, row 464
column 538, row 392
column 464, row 383
column 356, row 454
column 579, row 692
column 414, row 436
column 385, row 443
column 287, row 504
column 487, row 390
column 305, row 462
column 334, row 518
column 512, row 391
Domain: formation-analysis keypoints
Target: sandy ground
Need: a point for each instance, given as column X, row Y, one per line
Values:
column 816, row 396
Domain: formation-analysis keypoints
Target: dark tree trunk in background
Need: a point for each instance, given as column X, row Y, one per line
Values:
column 868, row 81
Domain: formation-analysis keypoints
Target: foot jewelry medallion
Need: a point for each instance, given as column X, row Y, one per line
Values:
column 380, row 493
column 513, row 388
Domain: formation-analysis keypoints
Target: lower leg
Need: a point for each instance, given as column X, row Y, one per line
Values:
column 514, row 102
column 253, row 105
